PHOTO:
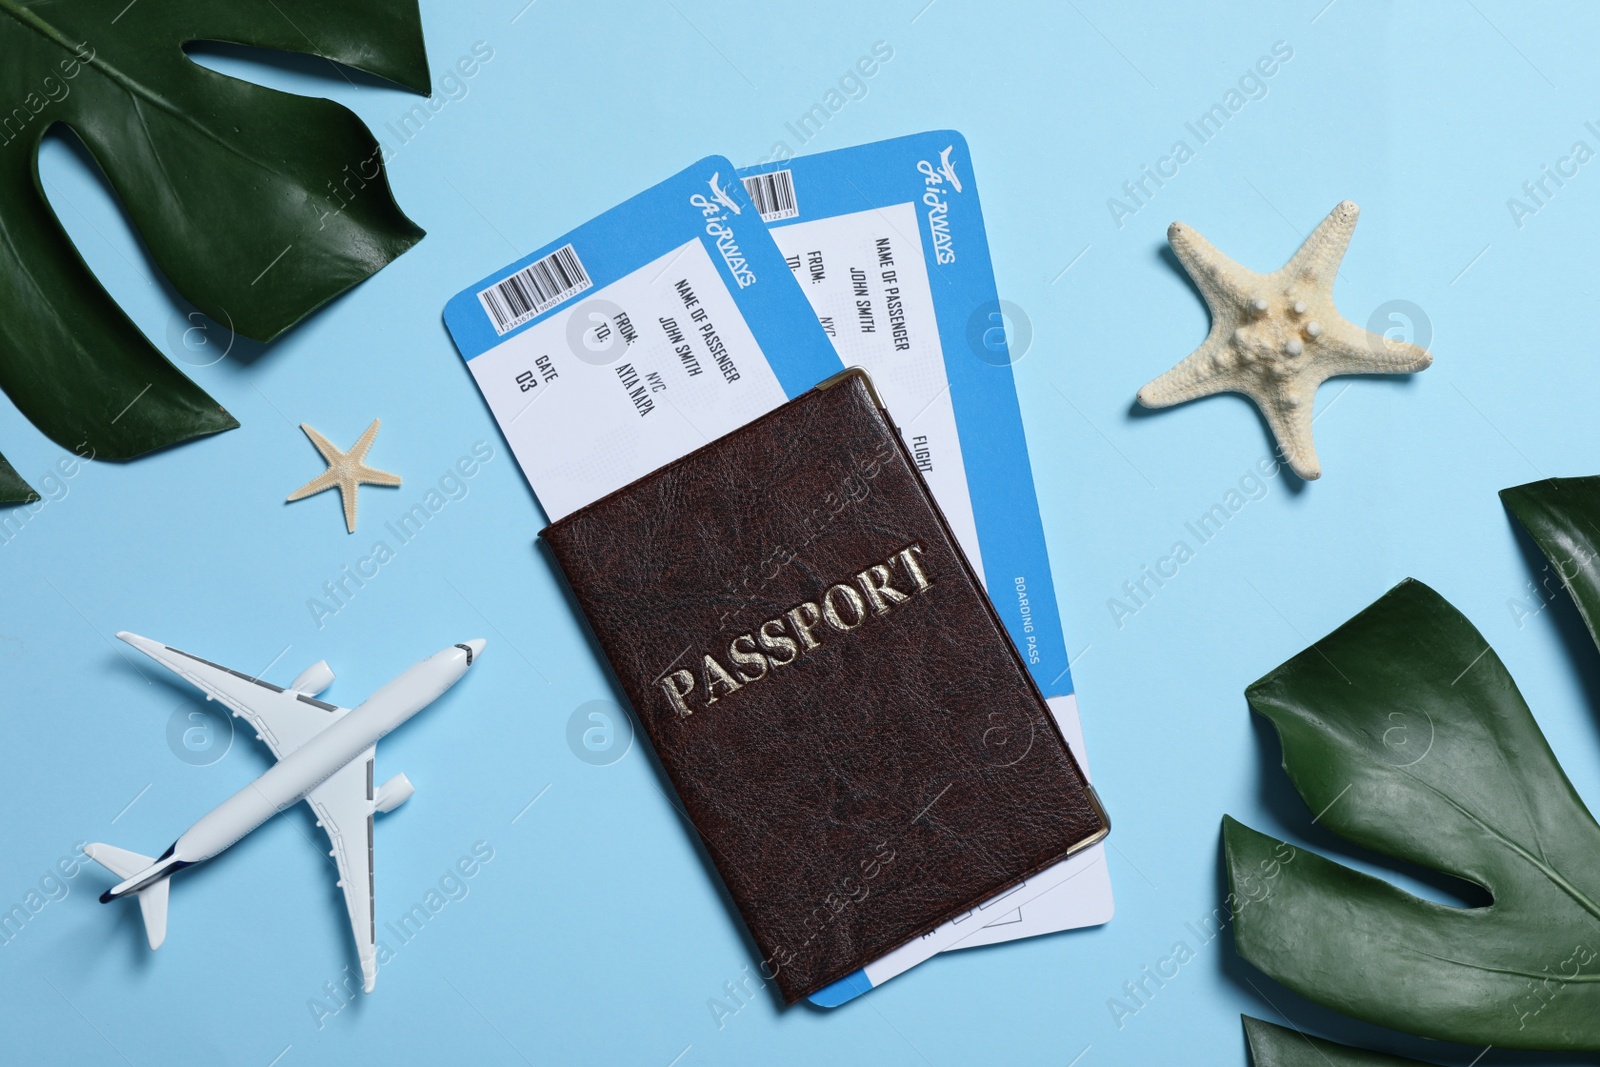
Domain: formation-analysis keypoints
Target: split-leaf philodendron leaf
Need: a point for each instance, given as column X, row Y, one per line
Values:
column 13, row 490
column 1278, row 1046
column 1405, row 731
column 258, row 205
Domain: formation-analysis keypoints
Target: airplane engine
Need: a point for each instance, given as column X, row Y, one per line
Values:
column 393, row 793
column 314, row 679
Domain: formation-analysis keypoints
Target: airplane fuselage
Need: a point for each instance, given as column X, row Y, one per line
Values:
column 288, row 781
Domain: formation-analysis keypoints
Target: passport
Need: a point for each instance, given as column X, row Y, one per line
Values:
column 841, row 713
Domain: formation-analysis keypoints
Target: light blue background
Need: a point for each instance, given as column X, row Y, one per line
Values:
column 596, row 934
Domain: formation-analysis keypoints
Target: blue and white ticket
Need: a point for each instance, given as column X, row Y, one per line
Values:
column 887, row 241
column 638, row 337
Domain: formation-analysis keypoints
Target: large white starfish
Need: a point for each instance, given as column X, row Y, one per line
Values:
column 347, row 471
column 1276, row 337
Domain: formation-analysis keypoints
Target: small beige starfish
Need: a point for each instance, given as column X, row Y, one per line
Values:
column 346, row 471
column 1276, row 337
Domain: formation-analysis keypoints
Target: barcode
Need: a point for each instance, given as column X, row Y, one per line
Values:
column 773, row 195
column 534, row 289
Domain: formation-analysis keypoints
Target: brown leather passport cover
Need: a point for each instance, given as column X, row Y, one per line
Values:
column 846, row 722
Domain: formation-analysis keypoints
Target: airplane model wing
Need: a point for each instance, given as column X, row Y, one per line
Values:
column 344, row 806
column 284, row 718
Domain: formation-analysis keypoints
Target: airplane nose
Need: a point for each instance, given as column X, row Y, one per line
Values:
column 474, row 649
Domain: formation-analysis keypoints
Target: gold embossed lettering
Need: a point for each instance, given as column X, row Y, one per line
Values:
column 778, row 642
column 874, row 582
column 831, row 608
column 803, row 619
column 908, row 558
column 716, row 674
column 747, row 656
column 845, row 606
column 677, row 685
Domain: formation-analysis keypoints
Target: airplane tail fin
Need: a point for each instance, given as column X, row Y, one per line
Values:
column 152, row 898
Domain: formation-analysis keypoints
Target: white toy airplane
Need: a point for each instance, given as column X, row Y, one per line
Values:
column 324, row 755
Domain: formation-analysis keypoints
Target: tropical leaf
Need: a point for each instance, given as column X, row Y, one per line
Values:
column 1563, row 516
column 258, row 205
column 1278, row 1046
column 13, row 490
column 1405, row 732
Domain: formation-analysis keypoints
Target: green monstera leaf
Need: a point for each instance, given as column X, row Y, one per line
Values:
column 1278, row 1046
column 13, row 490
column 1563, row 515
column 1405, row 732
column 258, row 205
